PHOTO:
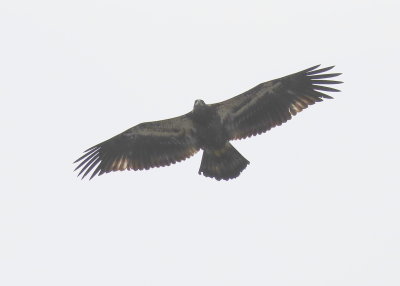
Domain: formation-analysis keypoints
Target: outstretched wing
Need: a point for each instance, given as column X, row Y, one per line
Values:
column 144, row 146
column 274, row 102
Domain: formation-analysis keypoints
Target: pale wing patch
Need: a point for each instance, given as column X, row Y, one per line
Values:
column 294, row 109
column 120, row 164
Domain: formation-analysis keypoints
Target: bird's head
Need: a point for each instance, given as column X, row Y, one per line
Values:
column 199, row 106
column 201, row 110
column 198, row 103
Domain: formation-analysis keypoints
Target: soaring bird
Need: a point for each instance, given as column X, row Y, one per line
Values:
column 210, row 127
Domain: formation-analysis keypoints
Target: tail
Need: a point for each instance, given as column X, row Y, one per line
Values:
column 225, row 163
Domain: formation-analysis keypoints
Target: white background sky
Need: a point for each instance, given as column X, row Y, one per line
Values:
column 318, row 205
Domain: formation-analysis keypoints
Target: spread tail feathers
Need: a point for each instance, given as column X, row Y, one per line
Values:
column 225, row 163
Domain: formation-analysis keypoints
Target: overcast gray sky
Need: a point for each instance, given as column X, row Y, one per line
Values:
column 318, row 204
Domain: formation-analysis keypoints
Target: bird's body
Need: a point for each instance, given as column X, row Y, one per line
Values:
column 210, row 132
column 220, row 159
column 209, row 127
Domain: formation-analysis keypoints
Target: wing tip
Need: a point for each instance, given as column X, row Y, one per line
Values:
column 310, row 69
column 318, row 71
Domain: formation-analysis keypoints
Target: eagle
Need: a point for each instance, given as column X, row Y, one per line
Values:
column 210, row 127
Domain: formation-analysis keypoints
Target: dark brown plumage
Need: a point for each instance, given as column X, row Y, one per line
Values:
column 210, row 127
